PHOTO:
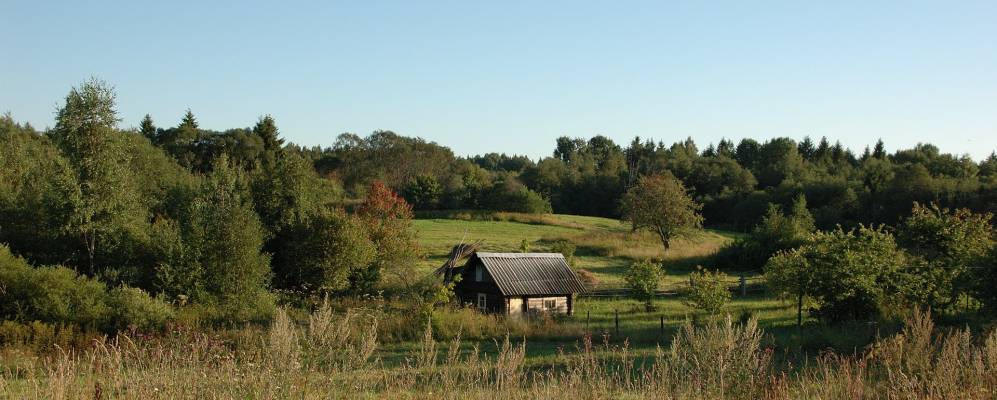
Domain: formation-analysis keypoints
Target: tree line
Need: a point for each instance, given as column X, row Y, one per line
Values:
column 94, row 218
column 219, row 219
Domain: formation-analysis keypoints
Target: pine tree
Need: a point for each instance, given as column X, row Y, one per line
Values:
column 266, row 129
column 806, row 148
column 147, row 128
column 189, row 131
column 880, row 150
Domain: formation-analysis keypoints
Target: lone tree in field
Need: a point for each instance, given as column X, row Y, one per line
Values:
column 660, row 204
column 643, row 277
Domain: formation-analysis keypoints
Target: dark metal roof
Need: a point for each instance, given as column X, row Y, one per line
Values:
column 525, row 274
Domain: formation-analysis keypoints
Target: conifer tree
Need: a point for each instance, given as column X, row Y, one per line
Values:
column 147, row 128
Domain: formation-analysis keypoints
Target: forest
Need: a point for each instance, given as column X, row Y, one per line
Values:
column 150, row 232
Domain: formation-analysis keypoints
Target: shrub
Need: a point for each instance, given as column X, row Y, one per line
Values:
column 708, row 291
column 134, row 309
column 61, row 296
column 566, row 248
column 643, row 277
column 527, row 201
column 848, row 275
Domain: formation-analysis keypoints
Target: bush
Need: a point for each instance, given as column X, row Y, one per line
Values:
column 61, row 296
column 643, row 277
column 708, row 291
column 134, row 309
column 527, row 201
column 566, row 248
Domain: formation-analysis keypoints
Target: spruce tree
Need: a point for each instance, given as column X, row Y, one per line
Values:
column 147, row 128
column 880, row 150
column 266, row 129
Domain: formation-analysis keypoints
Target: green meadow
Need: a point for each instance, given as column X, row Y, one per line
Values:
column 606, row 247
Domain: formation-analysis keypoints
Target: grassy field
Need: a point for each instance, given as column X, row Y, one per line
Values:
column 606, row 247
column 356, row 348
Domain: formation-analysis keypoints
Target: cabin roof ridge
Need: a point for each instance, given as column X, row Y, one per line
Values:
column 518, row 255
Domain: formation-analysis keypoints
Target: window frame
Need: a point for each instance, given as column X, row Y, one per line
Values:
column 482, row 302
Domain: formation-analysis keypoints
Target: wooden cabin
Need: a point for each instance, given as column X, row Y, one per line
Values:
column 518, row 283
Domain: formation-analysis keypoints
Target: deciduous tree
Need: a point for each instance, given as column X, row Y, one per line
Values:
column 660, row 204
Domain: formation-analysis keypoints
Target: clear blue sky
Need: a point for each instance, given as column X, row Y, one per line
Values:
column 512, row 76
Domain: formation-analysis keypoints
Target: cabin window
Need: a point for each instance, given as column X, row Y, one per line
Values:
column 550, row 304
column 482, row 302
column 479, row 274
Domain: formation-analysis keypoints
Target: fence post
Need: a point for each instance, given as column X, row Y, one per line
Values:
column 588, row 314
column 744, row 285
column 616, row 314
column 662, row 325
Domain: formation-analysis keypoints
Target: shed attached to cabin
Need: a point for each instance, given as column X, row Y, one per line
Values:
column 518, row 283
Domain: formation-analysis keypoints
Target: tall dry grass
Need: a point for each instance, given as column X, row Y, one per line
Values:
column 334, row 355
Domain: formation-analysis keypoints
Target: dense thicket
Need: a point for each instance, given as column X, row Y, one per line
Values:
column 95, row 220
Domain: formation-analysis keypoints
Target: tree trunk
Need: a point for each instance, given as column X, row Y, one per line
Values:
column 90, row 241
column 666, row 240
column 799, row 310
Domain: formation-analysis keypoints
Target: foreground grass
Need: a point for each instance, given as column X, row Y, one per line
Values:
column 336, row 355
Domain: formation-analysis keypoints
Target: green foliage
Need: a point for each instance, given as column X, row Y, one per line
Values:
column 229, row 237
column 35, row 182
column 286, row 192
column 147, row 128
column 847, row 274
column 525, row 201
column 388, row 219
column 643, row 278
column 424, row 193
column 132, row 308
column 180, row 141
column 708, row 291
column 566, row 248
column 60, row 295
column 101, row 194
column 986, row 282
column 178, row 273
column 945, row 246
column 661, row 205
column 508, row 194
column 320, row 252
column 266, row 130
column 775, row 232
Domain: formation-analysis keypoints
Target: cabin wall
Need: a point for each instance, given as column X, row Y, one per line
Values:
column 552, row 304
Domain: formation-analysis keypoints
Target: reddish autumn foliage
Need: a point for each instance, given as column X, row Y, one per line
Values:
column 388, row 218
column 382, row 203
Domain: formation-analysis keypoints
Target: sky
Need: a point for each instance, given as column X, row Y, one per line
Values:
column 511, row 76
